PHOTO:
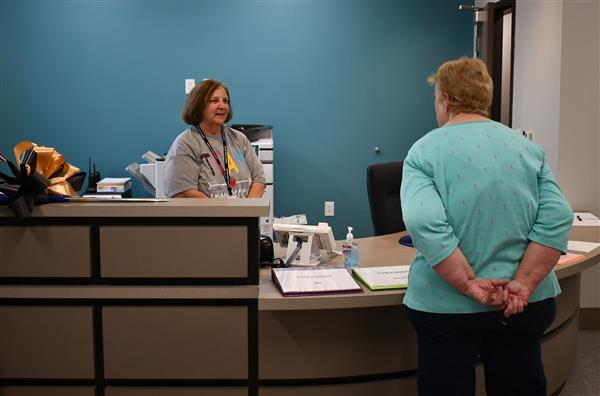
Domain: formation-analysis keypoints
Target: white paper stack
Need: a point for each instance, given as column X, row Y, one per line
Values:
column 585, row 219
column 114, row 185
column 582, row 246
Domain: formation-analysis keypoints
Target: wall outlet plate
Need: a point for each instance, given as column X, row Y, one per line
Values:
column 329, row 208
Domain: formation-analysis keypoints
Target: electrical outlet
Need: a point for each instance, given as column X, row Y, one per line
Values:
column 329, row 208
column 526, row 133
column 530, row 135
column 190, row 83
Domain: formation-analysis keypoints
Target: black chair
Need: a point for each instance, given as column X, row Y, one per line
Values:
column 383, row 188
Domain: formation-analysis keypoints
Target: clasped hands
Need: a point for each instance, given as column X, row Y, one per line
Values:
column 508, row 296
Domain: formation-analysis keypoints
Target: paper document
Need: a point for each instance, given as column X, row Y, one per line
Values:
column 585, row 219
column 114, row 181
column 569, row 258
column 581, row 246
column 301, row 281
column 382, row 278
column 103, row 196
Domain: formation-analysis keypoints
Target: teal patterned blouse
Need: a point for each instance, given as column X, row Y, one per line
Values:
column 484, row 188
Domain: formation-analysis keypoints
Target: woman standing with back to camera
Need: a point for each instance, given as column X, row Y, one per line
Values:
column 209, row 159
column 489, row 223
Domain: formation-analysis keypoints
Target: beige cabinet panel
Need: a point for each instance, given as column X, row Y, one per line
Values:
column 398, row 386
column 559, row 352
column 47, row 391
column 175, row 342
column 174, row 251
column 175, row 391
column 567, row 302
column 45, row 251
column 46, row 342
column 335, row 343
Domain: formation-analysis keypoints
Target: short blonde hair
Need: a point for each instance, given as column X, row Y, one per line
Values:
column 467, row 83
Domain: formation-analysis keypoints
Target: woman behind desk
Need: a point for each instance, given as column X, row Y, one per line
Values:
column 489, row 222
column 209, row 159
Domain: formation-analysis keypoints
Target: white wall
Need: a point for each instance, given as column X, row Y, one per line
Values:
column 537, row 73
column 579, row 165
column 579, row 139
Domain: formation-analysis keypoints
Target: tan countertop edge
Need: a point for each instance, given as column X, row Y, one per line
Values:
column 129, row 292
column 579, row 233
column 182, row 207
column 386, row 245
column 338, row 301
column 589, row 260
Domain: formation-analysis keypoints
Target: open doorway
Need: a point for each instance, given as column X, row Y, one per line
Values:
column 494, row 45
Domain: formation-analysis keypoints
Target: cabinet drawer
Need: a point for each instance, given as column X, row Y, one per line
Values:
column 47, row 391
column 45, row 251
column 46, row 342
column 175, row 391
column 174, row 251
column 175, row 342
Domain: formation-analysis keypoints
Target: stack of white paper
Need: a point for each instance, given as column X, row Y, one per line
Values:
column 581, row 246
column 114, row 185
column 585, row 219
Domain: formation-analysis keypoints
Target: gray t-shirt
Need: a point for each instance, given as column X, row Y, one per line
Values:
column 190, row 165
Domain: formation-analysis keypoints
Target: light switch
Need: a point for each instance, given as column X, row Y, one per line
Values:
column 329, row 208
column 190, row 83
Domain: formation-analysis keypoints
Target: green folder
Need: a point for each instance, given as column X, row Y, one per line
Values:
column 383, row 278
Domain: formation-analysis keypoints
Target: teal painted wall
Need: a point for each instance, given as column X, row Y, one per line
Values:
column 336, row 78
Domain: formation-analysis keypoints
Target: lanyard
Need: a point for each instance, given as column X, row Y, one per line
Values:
column 224, row 170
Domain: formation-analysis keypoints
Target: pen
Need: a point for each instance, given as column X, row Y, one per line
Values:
column 579, row 218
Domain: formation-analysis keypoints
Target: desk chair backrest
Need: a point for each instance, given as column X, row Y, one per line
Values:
column 383, row 188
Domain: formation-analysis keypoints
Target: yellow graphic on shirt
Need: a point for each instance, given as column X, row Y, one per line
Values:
column 232, row 164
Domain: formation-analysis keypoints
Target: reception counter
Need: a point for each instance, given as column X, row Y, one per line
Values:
column 114, row 298
column 167, row 299
column 363, row 344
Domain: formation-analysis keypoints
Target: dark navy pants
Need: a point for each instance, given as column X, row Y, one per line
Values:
column 510, row 349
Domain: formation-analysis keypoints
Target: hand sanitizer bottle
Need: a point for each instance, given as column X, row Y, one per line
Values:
column 350, row 250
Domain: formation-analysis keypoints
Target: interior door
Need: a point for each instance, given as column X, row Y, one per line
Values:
column 494, row 44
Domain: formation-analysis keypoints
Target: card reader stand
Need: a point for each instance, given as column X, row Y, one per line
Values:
column 302, row 250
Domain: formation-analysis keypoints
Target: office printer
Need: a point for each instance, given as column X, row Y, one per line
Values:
column 261, row 139
column 151, row 174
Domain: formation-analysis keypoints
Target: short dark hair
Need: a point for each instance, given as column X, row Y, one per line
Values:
column 198, row 99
